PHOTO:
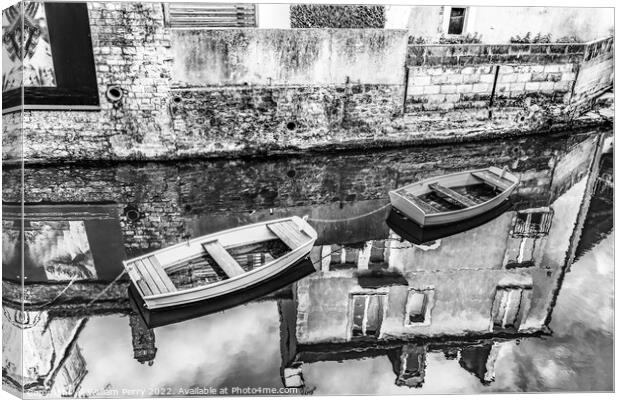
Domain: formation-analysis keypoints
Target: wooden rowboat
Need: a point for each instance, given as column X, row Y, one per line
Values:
column 454, row 197
column 221, row 263
column 279, row 287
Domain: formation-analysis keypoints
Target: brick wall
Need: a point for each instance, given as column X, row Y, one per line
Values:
column 131, row 49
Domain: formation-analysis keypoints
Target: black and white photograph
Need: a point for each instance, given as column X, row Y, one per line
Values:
column 298, row 199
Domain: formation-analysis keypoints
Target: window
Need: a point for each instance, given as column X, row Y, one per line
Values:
column 419, row 304
column 48, row 52
column 367, row 316
column 211, row 15
column 457, row 21
column 532, row 223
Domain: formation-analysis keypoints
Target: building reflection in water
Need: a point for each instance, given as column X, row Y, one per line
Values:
column 375, row 293
column 51, row 363
column 499, row 279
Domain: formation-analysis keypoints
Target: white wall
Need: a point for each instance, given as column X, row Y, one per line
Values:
column 274, row 16
column 499, row 24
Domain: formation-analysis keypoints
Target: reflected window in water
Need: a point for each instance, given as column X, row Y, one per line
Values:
column 533, row 223
column 418, row 307
column 368, row 310
column 510, row 307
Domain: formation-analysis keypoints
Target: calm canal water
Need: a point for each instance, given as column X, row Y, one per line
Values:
column 552, row 243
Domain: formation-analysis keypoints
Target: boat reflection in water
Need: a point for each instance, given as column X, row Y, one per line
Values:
column 414, row 233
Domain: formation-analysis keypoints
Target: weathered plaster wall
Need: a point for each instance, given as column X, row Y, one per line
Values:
column 596, row 73
column 297, row 56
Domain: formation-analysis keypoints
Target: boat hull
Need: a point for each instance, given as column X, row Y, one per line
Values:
column 172, row 315
column 416, row 214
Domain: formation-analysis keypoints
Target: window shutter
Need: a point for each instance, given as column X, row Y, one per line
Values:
column 211, row 15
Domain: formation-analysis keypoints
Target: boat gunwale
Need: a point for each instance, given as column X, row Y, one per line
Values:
column 312, row 233
column 455, row 212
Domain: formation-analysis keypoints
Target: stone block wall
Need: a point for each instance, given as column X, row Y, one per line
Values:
column 449, row 77
column 432, row 88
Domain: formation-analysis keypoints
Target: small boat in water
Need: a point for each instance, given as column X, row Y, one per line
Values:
column 454, row 197
column 220, row 264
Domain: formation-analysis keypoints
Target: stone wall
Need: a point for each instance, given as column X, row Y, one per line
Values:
column 511, row 54
column 205, row 93
column 433, row 88
column 238, row 117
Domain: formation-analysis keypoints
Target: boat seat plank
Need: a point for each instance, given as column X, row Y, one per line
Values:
column 459, row 198
column 146, row 277
column 289, row 233
column 162, row 274
column 147, row 270
column 134, row 274
column 424, row 206
column 223, row 258
column 492, row 179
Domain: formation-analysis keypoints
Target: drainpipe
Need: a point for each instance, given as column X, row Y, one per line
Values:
column 493, row 91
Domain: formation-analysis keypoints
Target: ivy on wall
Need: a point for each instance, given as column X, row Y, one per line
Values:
column 333, row 16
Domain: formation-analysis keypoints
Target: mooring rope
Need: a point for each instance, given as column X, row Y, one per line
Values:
column 106, row 288
column 327, row 221
column 63, row 291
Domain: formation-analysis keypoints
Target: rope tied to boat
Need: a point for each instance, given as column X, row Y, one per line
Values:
column 327, row 221
column 105, row 289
